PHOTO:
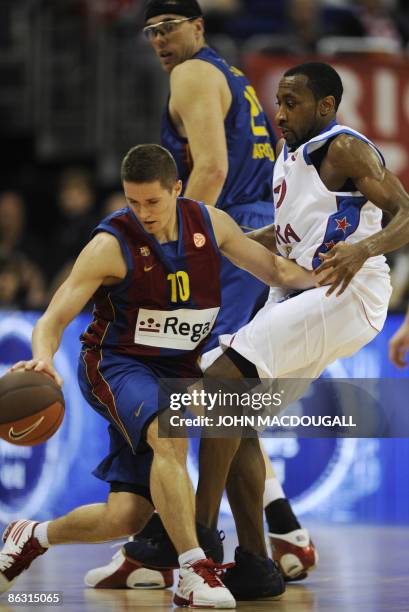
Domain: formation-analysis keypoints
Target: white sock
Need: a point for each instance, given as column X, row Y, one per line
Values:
column 272, row 491
column 40, row 532
column 191, row 556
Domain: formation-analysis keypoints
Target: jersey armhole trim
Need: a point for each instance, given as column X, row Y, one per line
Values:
column 346, row 131
column 124, row 248
column 209, row 225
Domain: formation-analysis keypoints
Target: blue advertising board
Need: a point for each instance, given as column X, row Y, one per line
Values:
column 339, row 479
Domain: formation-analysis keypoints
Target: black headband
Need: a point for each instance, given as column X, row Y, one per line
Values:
column 187, row 8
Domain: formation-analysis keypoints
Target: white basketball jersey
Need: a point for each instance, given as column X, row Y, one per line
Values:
column 309, row 218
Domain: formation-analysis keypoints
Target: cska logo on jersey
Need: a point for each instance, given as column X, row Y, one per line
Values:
column 145, row 251
column 280, row 191
column 286, row 235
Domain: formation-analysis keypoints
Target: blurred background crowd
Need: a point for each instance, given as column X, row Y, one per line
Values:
column 80, row 86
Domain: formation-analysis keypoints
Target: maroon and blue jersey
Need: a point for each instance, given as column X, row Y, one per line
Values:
column 250, row 143
column 170, row 297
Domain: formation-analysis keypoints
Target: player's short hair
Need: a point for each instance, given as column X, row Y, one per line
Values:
column 148, row 163
column 323, row 80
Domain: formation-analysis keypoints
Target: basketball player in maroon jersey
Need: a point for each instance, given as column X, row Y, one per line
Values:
column 155, row 261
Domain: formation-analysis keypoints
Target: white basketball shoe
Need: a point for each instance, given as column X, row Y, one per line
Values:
column 121, row 574
column 294, row 552
column 20, row 548
column 200, row 586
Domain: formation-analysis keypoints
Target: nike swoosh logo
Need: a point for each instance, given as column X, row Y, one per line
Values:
column 148, row 268
column 138, row 412
column 18, row 435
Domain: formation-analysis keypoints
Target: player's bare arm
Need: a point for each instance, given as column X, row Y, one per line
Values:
column 265, row 236
column 100, row 262
column 399, row 344
column 351, row 158
column 255, row 258
column 199, row 102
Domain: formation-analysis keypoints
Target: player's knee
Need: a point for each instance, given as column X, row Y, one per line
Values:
column 127, row 513
column 125, row 521
column 125, row 524
column 165, row 446
column 170, row 449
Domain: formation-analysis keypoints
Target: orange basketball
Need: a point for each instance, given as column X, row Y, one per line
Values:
column 31, row 407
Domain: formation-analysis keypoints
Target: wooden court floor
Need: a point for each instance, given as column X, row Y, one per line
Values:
column 362, row 568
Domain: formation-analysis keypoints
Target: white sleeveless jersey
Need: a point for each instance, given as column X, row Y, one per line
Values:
column 309, row 218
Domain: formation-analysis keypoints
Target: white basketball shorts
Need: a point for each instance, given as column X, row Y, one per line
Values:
column 301, row 336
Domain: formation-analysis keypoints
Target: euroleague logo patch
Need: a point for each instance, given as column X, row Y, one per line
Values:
column 199, row 240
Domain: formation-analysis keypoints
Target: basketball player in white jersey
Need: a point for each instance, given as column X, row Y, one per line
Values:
column 330, row 187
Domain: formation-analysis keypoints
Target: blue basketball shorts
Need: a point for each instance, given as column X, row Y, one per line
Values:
column 125, row 391
column 242, row 294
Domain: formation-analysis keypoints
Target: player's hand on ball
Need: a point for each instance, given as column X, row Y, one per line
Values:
column 399, row 346
column 340, row 265
column 39, row 365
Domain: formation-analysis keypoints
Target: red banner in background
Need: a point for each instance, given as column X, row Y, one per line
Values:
column 375, row 100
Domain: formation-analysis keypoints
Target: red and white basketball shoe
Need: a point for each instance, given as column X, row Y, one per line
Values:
column 20, row 548
column 200, row 586
column 121, row 574
column 294, row 552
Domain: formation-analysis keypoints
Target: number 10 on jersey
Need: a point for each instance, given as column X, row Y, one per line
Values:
column 179, row 287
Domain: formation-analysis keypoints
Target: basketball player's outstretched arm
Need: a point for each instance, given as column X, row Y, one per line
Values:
column 351, row 158
column 266, row 236
column 255, row 258
column 100, row 261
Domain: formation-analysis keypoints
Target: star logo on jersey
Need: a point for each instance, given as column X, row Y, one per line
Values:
column 199, row 240
column 145, row 251
column 330, row 245
column 342, row 224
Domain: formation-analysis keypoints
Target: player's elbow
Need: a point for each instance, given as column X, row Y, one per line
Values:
column 220, row 173
column 214, row 171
